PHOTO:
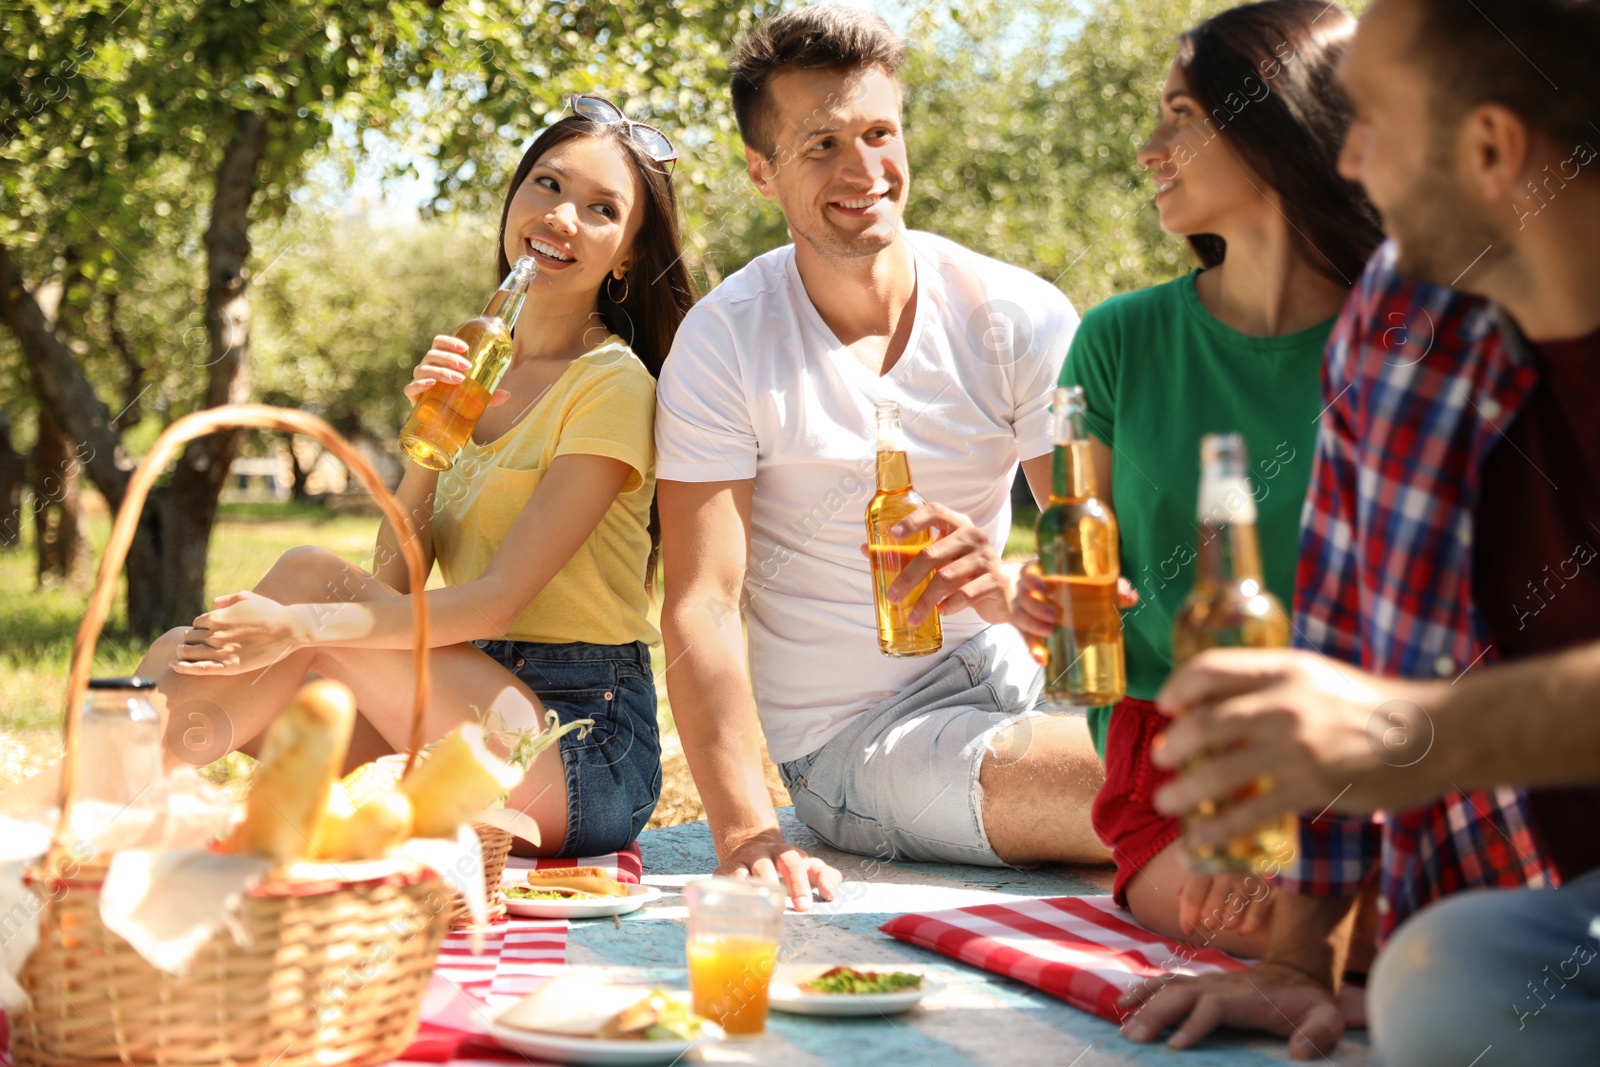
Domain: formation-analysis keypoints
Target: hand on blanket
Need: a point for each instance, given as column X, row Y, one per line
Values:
column 767, row 856
column 1272, row 997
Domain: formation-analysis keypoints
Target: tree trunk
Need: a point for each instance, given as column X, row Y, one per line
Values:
column 13, row 477
column 166, row 567
column 60, row 539
column 302, row 475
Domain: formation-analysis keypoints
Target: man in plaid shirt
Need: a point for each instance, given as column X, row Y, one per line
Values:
column 1454, row 521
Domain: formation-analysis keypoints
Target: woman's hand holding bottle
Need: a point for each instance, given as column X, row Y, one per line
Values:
column 446, row 363
column 1034, row 610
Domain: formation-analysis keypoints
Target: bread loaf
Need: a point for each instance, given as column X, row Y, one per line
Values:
column 301, row 756
column 458, row 778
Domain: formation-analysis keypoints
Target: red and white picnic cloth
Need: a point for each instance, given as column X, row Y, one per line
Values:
column 1085, row 950
column 517, row 955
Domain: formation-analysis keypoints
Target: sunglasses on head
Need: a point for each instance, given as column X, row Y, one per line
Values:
column 647, row 137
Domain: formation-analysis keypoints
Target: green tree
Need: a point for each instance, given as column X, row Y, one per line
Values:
column 132, row 132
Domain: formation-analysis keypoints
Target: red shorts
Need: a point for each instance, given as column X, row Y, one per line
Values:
column 1124, row 815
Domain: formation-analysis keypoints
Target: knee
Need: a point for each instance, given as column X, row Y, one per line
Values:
column 1445, row 987
column 305, row 575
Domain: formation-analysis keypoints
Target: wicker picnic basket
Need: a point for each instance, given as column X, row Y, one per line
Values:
column 332, row 971
column 496, row 848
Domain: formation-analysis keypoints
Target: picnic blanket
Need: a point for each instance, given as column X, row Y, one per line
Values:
column 1084, row 950
column 517, row 955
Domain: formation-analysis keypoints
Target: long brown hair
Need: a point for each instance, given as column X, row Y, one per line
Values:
column 1264, row 73
column 660, row 290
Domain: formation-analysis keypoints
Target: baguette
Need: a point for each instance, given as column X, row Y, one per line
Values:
column 593, row 880
column 301, row 755
column 458, row 778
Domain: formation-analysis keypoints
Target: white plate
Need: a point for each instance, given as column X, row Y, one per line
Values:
column 560, row 1048
column 582, row 908
column 785, row 994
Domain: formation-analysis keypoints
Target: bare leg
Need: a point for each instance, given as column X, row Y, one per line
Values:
column 1039, row 781
column 227, row 712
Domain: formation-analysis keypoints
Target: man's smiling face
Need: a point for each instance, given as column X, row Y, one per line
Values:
column 838, row 167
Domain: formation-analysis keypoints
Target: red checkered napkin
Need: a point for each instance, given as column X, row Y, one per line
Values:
column 1085, row 950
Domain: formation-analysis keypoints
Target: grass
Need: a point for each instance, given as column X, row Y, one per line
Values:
column 38, row 624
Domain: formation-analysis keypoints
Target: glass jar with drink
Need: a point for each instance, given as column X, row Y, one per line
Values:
column 732, row 949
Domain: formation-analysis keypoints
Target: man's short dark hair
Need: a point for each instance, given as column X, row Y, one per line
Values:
column 815, row 37
column 1540, row 58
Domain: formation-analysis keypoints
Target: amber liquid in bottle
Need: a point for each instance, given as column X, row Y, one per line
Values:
column 1230, row 607
column 444, row 416
column 1080, row 561
column 894, row 500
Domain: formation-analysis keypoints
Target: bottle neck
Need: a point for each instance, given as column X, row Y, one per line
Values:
column 505, row 305
column 1229, row 554
column 894, row 471
column 1072, row 473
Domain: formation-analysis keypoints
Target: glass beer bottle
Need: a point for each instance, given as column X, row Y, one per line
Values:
column 894, row 500
column 445, row 415
column 1078, row 557
column 1230, row 607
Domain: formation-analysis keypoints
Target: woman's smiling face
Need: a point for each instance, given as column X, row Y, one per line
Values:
column 1200, row 179
column 577, row 213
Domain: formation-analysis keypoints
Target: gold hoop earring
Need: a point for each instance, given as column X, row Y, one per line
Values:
column 617, row 299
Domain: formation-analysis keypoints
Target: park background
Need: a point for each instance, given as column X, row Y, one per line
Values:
column 205, row 201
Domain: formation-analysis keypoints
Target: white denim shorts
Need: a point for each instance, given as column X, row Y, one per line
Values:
column 900, row 782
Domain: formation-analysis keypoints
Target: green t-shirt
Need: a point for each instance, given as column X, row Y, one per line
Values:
column 1158, row 372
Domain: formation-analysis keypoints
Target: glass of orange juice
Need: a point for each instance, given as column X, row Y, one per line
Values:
column 732, row 948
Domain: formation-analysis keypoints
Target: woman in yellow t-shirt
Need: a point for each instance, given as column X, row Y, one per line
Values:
column 543, row 530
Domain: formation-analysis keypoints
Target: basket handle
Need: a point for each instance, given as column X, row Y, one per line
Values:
column 199, row 424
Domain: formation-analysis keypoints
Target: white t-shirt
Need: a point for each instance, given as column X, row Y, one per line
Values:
column 758, row 386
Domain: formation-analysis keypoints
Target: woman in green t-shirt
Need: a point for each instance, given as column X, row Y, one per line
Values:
column 1244, row 159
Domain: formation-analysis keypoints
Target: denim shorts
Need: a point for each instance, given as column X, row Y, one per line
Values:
column 900, row 782
column 614, row 772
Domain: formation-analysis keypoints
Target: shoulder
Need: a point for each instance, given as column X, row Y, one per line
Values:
column 1136, row 306
column 965, row 273
column 612, row 366
column 1112, row 324
column 1399, row 320
column 747, row 289
column 712, row 332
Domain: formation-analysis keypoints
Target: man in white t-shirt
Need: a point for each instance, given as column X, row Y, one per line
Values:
column 765, row 441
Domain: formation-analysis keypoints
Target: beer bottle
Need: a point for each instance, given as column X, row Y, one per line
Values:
column 1078, row 556
column 1230, row 607
column 445, row 415
column 894, row 500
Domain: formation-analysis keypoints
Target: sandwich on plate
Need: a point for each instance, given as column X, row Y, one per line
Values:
column 567, row 883
column 579, row 1007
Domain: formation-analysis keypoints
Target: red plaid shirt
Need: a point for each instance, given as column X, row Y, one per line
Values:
column 1419, row 381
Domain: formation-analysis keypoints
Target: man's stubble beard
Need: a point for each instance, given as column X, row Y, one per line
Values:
column 832, row 245
column 1439, row 232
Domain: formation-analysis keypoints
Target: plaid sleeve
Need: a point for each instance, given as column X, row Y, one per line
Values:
column 1337, row 853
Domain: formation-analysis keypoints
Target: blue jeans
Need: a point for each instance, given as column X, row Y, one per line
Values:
column 1492, row 978
column 613, row 772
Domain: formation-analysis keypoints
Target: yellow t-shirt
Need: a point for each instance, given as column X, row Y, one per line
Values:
column 602, row 405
